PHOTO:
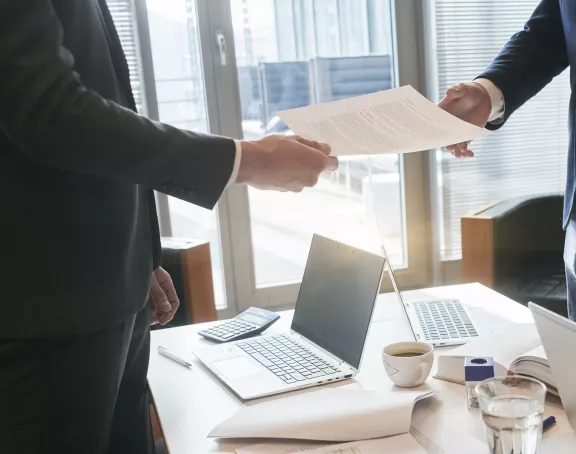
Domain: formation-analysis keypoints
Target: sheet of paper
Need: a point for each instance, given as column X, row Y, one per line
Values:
column 399, row 120
column 328, row 415
column 399, row 444
column 281, row 447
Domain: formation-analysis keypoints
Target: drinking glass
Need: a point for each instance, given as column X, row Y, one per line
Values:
column 512, row 409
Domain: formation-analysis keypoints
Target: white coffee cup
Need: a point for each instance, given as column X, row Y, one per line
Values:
column 408, row 364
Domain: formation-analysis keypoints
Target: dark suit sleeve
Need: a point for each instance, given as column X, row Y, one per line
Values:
column 50, row 116
column 530, row 59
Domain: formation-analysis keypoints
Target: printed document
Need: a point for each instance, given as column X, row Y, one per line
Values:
column 400, row 444
column 399, row 120
column 330, row 414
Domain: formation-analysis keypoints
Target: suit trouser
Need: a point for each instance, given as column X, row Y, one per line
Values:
column 81, row 394
column 570, row 266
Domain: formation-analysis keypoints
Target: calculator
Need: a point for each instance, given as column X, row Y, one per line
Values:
column 249, row 323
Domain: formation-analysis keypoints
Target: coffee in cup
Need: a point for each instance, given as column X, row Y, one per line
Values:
column 408, row 364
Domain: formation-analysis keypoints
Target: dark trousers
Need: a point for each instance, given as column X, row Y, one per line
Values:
column 81, row 394
column 570, row 266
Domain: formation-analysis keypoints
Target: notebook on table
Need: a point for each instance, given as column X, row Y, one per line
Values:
column 516, row 350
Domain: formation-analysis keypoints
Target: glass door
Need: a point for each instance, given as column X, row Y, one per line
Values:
column 284, row 54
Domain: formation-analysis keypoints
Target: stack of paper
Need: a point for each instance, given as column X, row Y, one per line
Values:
column 400, row 120
column 330, row 414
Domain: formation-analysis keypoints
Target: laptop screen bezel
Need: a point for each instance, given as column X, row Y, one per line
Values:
column 324, row 349
column 397, row 290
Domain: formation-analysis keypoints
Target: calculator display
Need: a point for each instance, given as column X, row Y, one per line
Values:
column 253, row 318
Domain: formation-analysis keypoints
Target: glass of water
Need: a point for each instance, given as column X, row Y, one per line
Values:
column 512, row 409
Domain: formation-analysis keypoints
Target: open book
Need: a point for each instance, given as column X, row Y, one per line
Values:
column 517, row 350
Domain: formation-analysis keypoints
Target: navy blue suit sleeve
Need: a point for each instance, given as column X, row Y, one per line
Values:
column 530, row 59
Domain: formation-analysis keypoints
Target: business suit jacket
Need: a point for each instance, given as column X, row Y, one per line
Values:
column 530, row 60
column 79, row 233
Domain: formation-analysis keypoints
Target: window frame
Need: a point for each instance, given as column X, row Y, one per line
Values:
column 234, row 209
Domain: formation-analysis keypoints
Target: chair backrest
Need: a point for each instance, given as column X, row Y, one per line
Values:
column 189, row 264
column 283, row 86
column 250, row 96
column 344, row 77
column 516, row 247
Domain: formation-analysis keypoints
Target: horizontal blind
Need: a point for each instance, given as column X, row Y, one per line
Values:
column 124, row 17
column 528, row 155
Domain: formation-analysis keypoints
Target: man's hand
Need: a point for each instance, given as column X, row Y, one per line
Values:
column 471, row 103
column 284, row 163
column 163, row 298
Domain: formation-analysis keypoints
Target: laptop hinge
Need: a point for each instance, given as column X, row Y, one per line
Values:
column 340, row 361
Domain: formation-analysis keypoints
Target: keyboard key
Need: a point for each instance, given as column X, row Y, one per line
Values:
column 328, row 370
column 317, row 374
column 298, row 376
column 307, row 373
column 262, row 359
column 289, row 380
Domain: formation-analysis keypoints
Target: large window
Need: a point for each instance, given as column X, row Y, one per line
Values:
column 528, row 155
column 292, row 53
column 227, row 67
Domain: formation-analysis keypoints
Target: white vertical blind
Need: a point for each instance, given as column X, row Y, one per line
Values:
column 528, row 155
column 124, row 17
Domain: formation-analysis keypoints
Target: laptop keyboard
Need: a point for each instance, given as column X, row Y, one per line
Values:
column 286, row 359
column 446, row 319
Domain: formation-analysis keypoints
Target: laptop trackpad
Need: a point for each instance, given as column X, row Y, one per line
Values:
column 236, row 368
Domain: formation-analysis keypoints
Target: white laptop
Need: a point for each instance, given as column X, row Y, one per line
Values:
column 326, row 340
column 437, row 322
column 558, row 335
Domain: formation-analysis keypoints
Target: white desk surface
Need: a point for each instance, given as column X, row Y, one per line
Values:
column 191, row 402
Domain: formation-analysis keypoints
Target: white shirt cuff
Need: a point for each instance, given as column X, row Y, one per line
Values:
column 237, row 159
column 496, row 97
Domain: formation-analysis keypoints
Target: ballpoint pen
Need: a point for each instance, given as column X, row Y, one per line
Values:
column 548, row 423
column 173, row 357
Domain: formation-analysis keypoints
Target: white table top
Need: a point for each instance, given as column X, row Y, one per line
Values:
column 191, row 402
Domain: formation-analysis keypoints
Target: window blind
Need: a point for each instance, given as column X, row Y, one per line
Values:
column 528, row 155
column 124, row 16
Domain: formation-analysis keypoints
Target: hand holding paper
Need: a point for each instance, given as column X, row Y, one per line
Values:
column 399, row 120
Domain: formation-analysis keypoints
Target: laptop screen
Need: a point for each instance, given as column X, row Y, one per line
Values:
column 337, row 297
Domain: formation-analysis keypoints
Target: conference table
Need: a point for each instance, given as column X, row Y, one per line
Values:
column 190, row 402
